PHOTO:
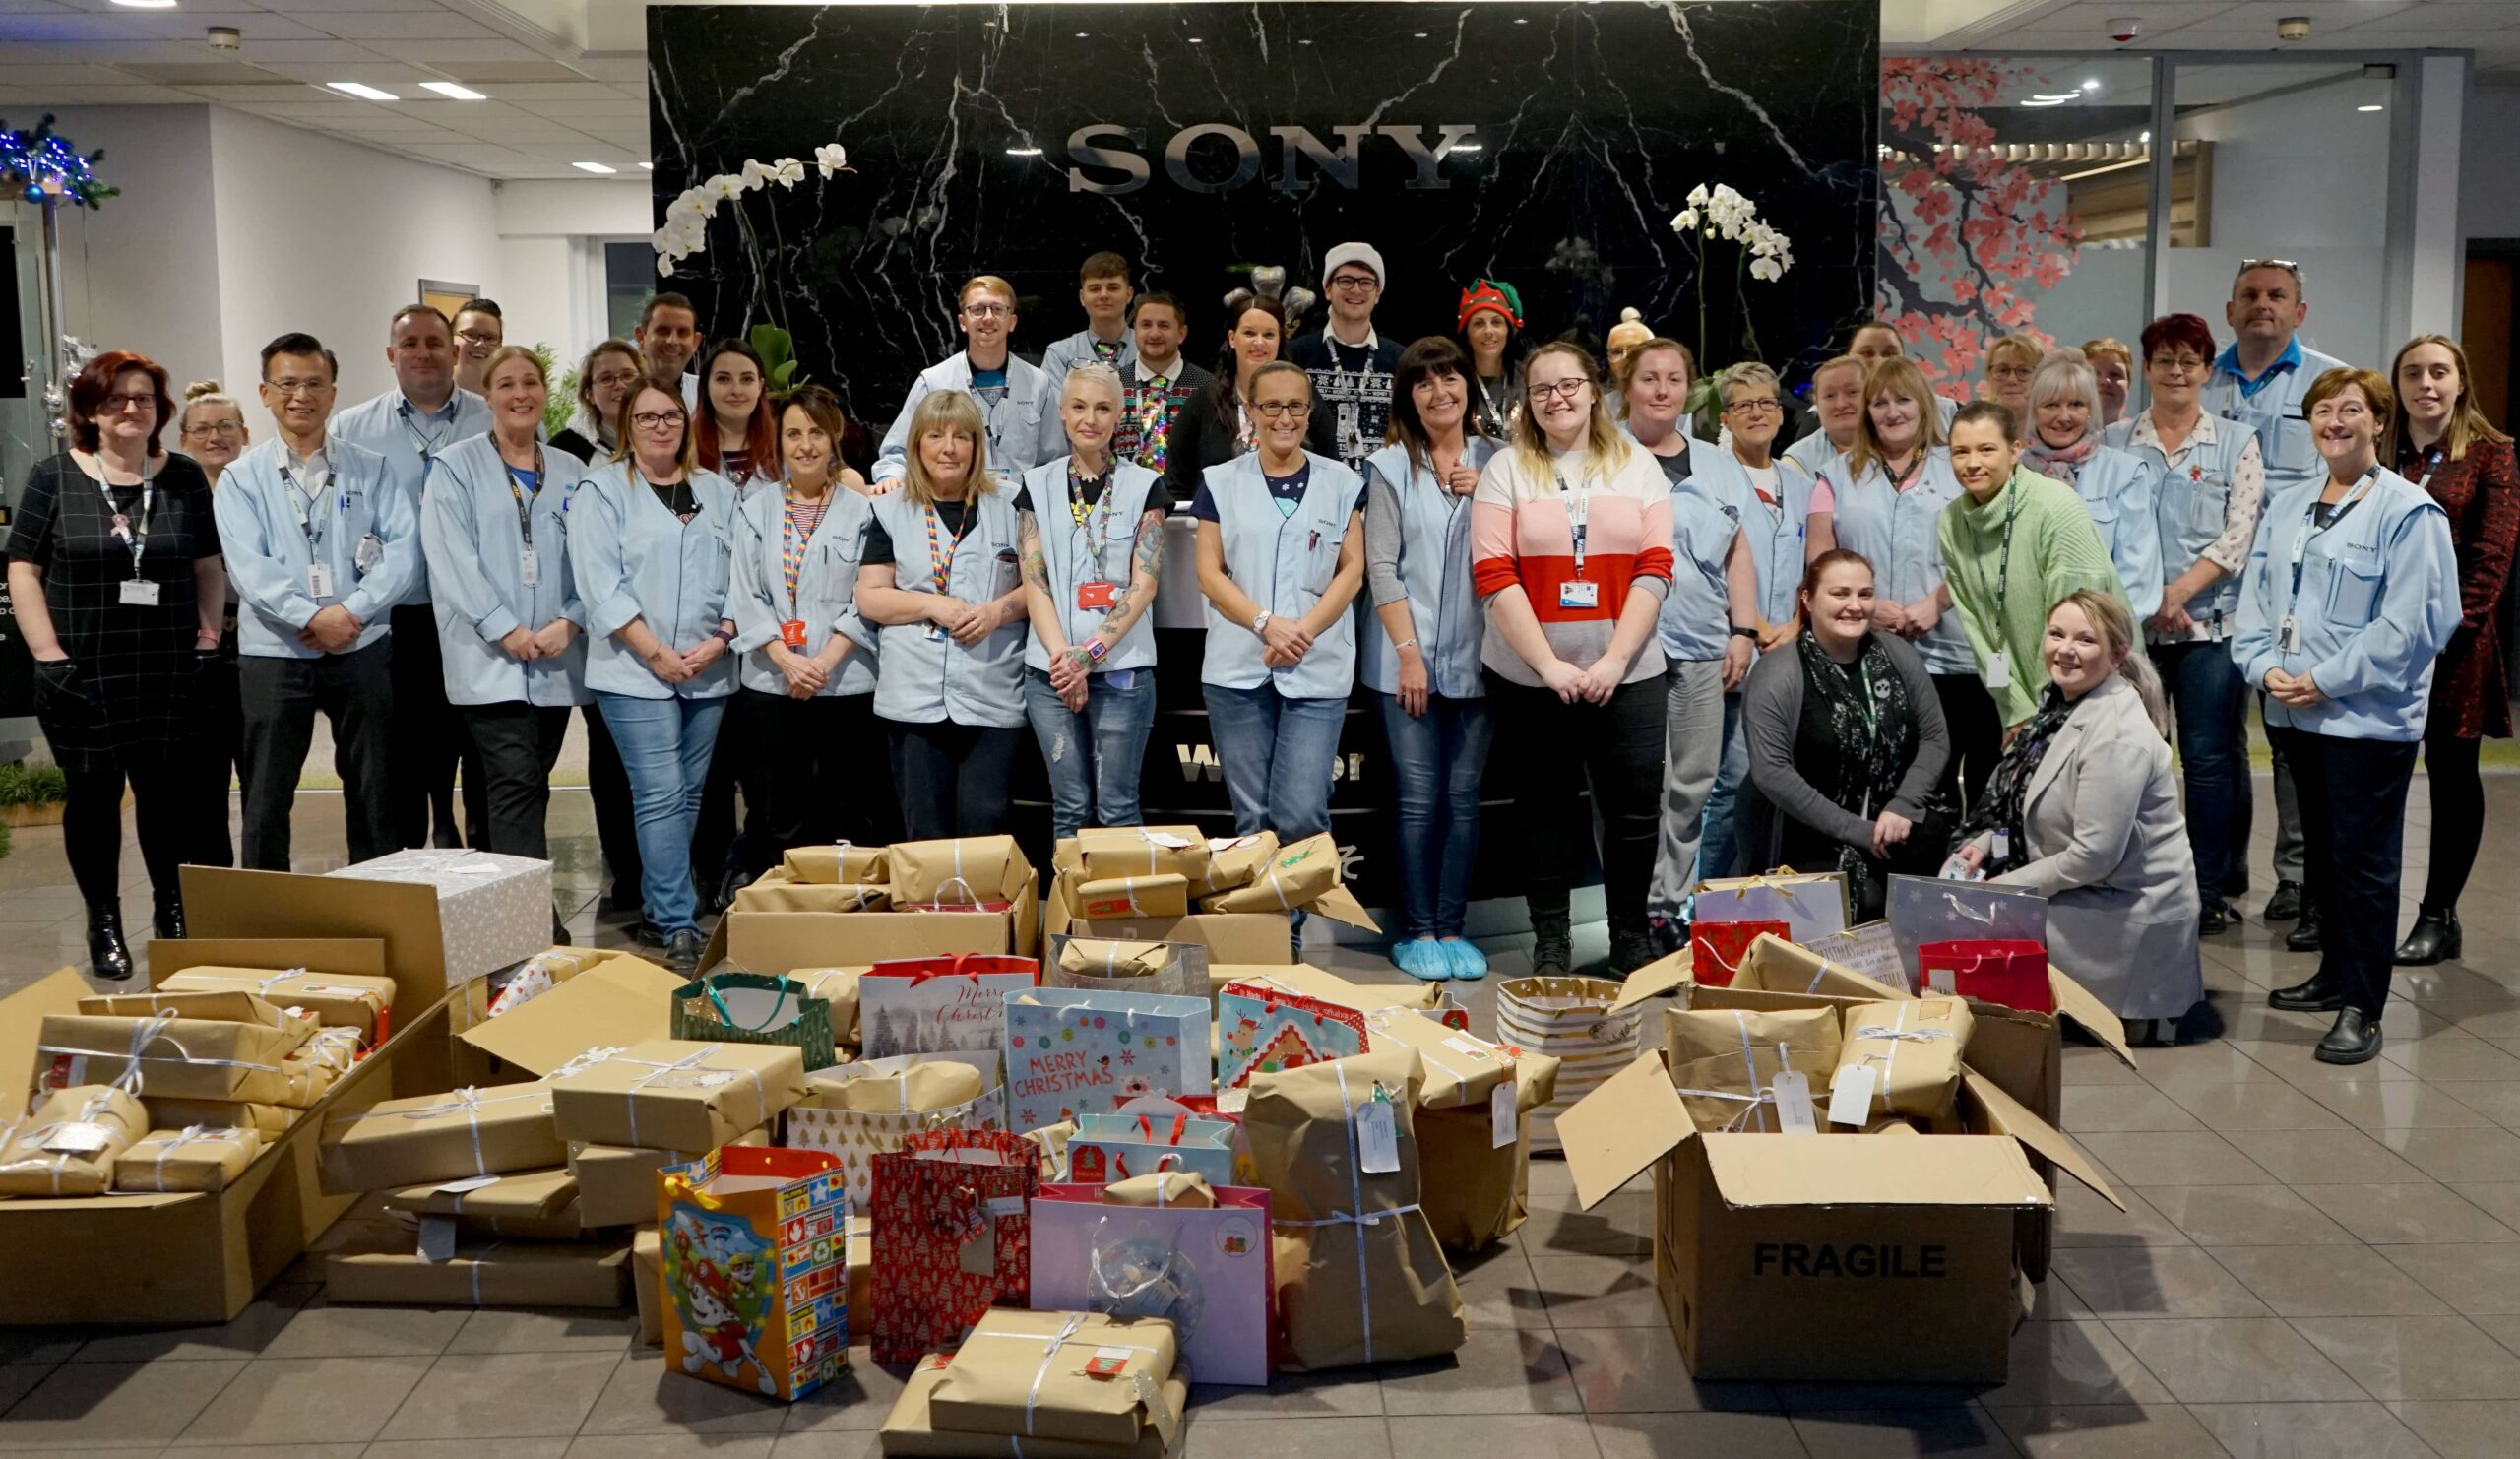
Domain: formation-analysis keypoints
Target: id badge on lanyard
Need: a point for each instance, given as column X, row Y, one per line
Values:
column 1575, row 591
column 133, row 591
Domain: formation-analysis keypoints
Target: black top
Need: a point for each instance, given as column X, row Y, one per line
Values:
column 1675, row 467
column 1202, row 436
column 580, row 448
column 1287, row 490
column 1090, row 492
column 1351, row 394
column 127, row 690
column 952, row 515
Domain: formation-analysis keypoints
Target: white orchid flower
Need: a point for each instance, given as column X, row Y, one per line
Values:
column 722, row 187
column 1766, row 268
column 787, row 172
column 831, row 158
column 1697, row 196
column 1687, row 221
column 756, row 174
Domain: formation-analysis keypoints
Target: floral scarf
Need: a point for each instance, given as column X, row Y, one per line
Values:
column 1864, row 705
column 2060, row 464
column 2000, row 809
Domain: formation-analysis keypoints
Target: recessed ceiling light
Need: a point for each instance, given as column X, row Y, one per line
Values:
column 2090, row 85
column 452, row 91
column 145, row 4
column 2374, row 107
column 647, row 166
column 362, row 90
column 1022, row 152
column 594, row 168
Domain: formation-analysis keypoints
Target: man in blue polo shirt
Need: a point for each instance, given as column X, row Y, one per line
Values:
column 2258, row 381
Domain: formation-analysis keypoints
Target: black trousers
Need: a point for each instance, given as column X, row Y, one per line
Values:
column 210, row 762
column 818, row 771
column 1561, row 749
column 2353, row 798
column 1977, row 738
column 616, row 826
column 427, row 741
column 713, row 834
column 954, row 780
column 279, row 698
column 2458, row 816
column 517, row 743
column 91, row 825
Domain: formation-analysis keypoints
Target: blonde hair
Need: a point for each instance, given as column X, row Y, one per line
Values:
column 2468, row 424
column 209, row 393
column 2030, row 350
column 989, row 281
column 2114, row 624
column 1092, row 372
column 1603, row 446
column 1900, row 374
column 953, row 413
column 506, row 353
column 625, row 434
column 2095, row 348
column 2063, row 374
column 1748, row 372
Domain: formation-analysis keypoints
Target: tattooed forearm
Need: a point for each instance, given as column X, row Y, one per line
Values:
column 1037, row 571
column 1149, row 558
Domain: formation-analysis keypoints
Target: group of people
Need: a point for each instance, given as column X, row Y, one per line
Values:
column 1916, row 637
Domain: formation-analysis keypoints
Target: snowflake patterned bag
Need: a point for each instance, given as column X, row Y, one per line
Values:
column 1071, row 1051
column 953, row 1237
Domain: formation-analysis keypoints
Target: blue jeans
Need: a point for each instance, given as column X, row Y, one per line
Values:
column 1717, row 843
column 1277, row 755
column 2211, row 702
column 1436, row 761
column 666, row 745
column 1094, row 756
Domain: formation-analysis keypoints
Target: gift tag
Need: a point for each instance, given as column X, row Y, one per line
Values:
column 1466, row 1046
column 78, row 1137
column 1793, row 1091
column 1503, row 1126
column 1851, row 1095
column 1107, row 1362
column 979, row 1257
column 437, row 1239
column 1575, row 592
column 1377, row 1139
column 319, row 578
column 1999, row 670
column 136, row 594
column 1004, row 1206
column 529, row 569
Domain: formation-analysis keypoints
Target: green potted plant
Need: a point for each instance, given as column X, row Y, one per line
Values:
column 32, row 795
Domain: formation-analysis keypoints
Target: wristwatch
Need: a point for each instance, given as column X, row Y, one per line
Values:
column 1095, row 649
column 1260, row 624
column 724, row 634
column 1751, row 634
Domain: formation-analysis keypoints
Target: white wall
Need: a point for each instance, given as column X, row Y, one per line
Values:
column 2489, row 201
column 327, row 236
column 550, row 275
column 141, row 273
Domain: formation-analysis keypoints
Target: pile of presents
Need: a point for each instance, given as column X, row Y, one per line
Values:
column 1060, row 1144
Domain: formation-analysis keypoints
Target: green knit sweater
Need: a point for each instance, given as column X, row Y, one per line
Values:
column 2055, row 550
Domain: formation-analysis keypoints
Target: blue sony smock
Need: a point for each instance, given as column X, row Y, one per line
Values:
column 270, row 533
column 2117, row 488
column 826, row 597
column 1283, row 563
column 1066, row 355
column 1813, row 453
column 635, row 560
column 1695, row 624
column 411, row 441
column 1897, row 531
column 1434, row 572
column 2376, row 600
column 475, row 545
column 2192, row 505
column 2271, row 408
column 1776, row 537
column 921, row 675
column 1022, row 427
column 1100, row 549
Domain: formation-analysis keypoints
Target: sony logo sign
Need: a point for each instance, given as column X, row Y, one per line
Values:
column 1094, row 146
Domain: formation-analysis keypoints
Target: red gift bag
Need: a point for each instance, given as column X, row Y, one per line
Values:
column 1716, row 948
column 2012, row 972
column 953, row 1237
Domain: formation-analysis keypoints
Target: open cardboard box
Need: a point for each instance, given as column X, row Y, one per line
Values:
column 615, row 1002
column 785, row 942
column 224, row 902
column 1228, row 936
column 192, row 1258
column 1827, row 1257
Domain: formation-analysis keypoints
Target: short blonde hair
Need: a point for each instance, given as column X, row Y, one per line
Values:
column 2066, row 376
column 1095, row 373
column 1748, row 372
column 506, row 353
column 990, row 283
column 2028, row 350
column 1900, row 374
column 2093, row 350
column 954, row 413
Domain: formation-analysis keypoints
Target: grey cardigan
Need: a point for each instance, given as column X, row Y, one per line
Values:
column 1772, row 716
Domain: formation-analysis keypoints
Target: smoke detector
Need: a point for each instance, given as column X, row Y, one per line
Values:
column 227, row 37
column 2293, row 27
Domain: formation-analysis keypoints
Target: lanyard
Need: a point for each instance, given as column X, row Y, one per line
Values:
column 792, row 553
column 2302, row 542
column 2003, row 554
column 1905, row 480
column 523, row 506
column 426, row 445
column 308, row 509
column 1094, row 521
column 940, row 553
column 134, row 532
column 1579, row 513
column 2431, row 464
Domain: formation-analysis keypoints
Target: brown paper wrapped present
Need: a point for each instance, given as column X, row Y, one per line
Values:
column 836, row 865
column 617, row 1183
column 190, row 1057
column 534, row 1204
column 1163, row 1189
column 69, row 1144
column 333, row 1000
column 1235, row 861
column 1104, row 852
column 909, row 1431
column 1052, row 1140
column 894, row 1087
column 773, row 891
column 267, row 1120
column 480, row 1274
column 1913, row 1049
column 677, row 1095
column 197, row 1158
column 1360, row 1277
column 837, row 987
column 646, row 1282
column 1297, row 876
column 1162, row 894
column 436, row 1138
column 1724, row 1059
column 964, row 872
column 1102, row 957
column 1082, row 1377
column 1476, row 1188
column 224, row 1005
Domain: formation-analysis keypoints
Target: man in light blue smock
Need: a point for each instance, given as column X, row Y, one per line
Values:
column 1019, row 406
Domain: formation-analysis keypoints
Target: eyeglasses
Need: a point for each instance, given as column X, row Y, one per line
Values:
column 1753, row 408
column 2180, row 364
column 216, row 428
column 115, row 405
column 988, row 311
column 1563, row 389
column 1280, row 410
column 657, row 419
column 292, row 386
column 476, row 336
column 1354, row 283
column 2009, row 372
column 615, row 378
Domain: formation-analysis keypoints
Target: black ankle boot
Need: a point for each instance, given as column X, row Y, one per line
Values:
column 2316, row 994
column 2435, row 940
column 106, row 954
column 1553, row 949
column 2306, row 936
column 2354, row 1040
column 168, row 917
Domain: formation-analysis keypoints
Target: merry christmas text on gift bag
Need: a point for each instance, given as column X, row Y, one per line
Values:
column 1071, row 1051
column 952, row 1004
column 1202, row 1260
column 953, row 1237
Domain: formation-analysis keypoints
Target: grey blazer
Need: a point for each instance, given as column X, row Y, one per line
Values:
column 2109, row 852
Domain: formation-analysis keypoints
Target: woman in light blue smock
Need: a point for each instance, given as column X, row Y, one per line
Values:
column 2117, row 488
column 651, row 539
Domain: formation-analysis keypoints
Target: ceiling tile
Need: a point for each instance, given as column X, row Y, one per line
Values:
column 60, row 25
column 404, row 25
column 89, row 95
column 487, row 73
column 190, row 7
column 272, row 53
column 2457, row 14
column 195, row 73
column 61, row 75
column 619, row 70
column 437, row 52
column 260, row 28
column 259, row 92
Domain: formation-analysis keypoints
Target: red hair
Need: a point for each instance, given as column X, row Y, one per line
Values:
column 96, row 381
column 2189, row 330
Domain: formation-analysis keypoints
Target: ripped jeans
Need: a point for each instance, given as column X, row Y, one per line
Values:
column 1094, row 757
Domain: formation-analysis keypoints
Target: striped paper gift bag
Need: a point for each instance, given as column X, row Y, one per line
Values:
column 1568, row 1019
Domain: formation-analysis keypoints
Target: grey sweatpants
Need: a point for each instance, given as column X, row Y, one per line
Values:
column 1693, row 747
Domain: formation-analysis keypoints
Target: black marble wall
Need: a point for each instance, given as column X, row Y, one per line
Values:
column 1548, row 144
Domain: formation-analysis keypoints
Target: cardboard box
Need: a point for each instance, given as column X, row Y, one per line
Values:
column 647, row 1276
column 557, row 965
column 1251, row 938
column 677, row 1095
column 785, row 942
column 493, row 910
column 909, row 1431
column 617, row 1183
column 612, row 1003
column 483, row 1274
column 1026, row 1373
column 220, row 903
column 187, row 1257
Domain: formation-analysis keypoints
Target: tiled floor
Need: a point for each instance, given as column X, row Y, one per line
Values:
column 2314, row 1264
